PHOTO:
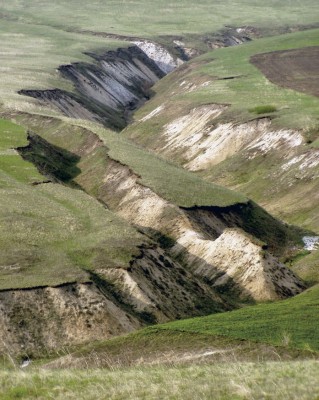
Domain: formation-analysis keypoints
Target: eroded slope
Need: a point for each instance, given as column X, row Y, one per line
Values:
column 73, row 271
column 218, row 116
column 190, row 235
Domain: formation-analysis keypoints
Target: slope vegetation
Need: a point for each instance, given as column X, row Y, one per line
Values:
column 63, row 253
column 285, row 329
column 220, row 117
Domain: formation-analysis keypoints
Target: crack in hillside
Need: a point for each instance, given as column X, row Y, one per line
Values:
column 117, row 83
column 110, row 89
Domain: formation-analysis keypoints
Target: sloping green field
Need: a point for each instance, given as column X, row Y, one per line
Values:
column 49, row 233
column 247, row 89
column 289, row 327
column 291, row 322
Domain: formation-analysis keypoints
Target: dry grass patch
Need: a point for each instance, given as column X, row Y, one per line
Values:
column 251, row 381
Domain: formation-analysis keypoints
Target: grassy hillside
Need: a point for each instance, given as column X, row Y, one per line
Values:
column 170, row 182
column 268, row 331
column 306, row 266
column 226, row 76
column 291, row 322
column 31, row 55
column 49, row 232
column 167, row 180
column 208, row 84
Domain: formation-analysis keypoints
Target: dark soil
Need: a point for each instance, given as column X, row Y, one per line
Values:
column 294, row 69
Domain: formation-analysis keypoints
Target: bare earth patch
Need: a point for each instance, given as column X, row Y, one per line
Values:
column 293, row 69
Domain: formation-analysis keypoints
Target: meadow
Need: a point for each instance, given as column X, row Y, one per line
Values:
column 223, row 381
column 153, row 18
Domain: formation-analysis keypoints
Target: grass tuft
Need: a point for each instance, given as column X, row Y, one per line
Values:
column 266, row 109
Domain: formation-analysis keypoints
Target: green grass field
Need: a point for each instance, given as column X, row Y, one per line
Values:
column 151, row 18
column 36, row 37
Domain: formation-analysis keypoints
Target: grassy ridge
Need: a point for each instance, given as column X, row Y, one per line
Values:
column 49, row 232
column 167, row 180
column 170, row 182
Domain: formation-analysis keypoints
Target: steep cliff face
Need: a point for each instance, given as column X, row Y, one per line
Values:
column 112, row 87
column 197, row 240
column 153, row 288
column 47, row 318
column 200, row 141
column 157, row 286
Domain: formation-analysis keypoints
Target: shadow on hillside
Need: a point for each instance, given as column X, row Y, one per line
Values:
column 54, row 162
column 232, row 293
